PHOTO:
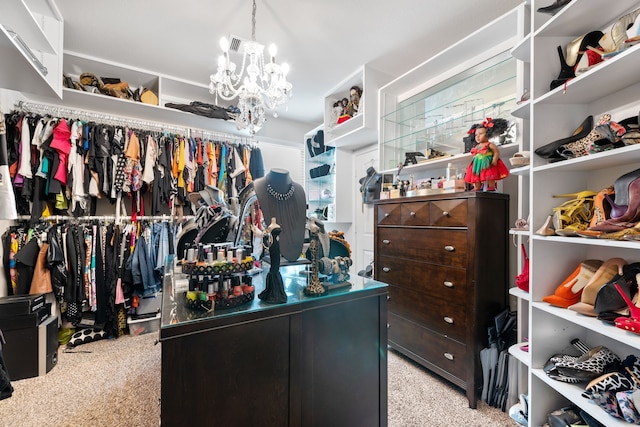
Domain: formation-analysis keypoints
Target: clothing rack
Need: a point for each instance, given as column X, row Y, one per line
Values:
column 57, row 111
column 87, row 218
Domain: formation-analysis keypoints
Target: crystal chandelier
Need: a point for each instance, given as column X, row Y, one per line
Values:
column 264, row 87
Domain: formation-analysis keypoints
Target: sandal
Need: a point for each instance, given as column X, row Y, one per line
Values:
column 574, row 214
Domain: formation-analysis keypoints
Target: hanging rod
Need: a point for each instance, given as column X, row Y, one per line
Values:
column 58, row 111
column 107, row 218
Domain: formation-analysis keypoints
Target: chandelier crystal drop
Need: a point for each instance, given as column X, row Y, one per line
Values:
column 259, row 86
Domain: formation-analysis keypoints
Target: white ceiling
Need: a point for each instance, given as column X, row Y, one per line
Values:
column 324, row 41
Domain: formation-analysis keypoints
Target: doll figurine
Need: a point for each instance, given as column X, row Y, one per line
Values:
column 486, row 167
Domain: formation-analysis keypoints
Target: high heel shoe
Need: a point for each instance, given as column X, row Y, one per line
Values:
column 601, row 210
column 613, row 41
column 570, row 290
column 547, row 228
column 579, row 195
column 566, row 72
column 611, row 269
column 621, row 191
column 554, row 7
column 579, row 147
column 632, row 323
column 608, row 298
column 631, row 215
column 576, row 48
column 590, row 365
column 548, row 151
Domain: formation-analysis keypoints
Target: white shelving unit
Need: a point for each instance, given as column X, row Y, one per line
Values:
column 39, row 25
column 327, row 191
column 611, row 87
column 362, row 129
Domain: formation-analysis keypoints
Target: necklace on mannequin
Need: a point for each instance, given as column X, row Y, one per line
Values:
column 280, row 196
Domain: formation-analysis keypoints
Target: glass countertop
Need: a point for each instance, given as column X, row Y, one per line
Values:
column 176, row 312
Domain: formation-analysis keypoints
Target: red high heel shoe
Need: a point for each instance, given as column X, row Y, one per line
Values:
column 632, row 323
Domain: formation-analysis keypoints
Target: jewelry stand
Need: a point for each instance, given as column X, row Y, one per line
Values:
column 314, row 288
column 274, row 285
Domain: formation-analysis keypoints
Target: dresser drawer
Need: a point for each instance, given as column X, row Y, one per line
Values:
column 405, row 213
column 389, row 214
column 448, row 213
column 429, row 310
column 445, row 353
column 443, row 247
column 449, row 283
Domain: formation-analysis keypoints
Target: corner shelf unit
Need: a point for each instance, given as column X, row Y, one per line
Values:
column 610, row 87
column 31, row 36
column 362, row 129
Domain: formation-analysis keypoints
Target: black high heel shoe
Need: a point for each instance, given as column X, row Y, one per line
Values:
column 566, row 72
column 549, row 151
column 555, row 7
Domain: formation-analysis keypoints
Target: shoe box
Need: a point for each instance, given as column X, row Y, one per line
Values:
column 16, row 305
column 31, row 338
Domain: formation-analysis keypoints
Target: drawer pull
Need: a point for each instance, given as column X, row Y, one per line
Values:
column 386, row 214
column 386, row 242
column 449, row 248
column 448, row 356
column 448, row 320
column 412, row 213
column 448, row 284
column 388, row 297
column 445, row 213
column 386, row 269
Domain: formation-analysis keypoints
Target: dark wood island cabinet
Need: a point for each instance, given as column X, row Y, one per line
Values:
column 313, row 361
column 445, row 258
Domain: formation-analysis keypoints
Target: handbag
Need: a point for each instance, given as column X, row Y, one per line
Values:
column 522, row 279
column 41, row 281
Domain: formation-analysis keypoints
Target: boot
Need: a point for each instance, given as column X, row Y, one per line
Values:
column 631, row 215
column 555, row 7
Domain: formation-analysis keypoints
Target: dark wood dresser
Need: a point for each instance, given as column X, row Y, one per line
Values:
column 445, row 259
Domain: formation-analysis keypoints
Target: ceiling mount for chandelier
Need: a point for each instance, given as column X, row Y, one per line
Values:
column 259, row 86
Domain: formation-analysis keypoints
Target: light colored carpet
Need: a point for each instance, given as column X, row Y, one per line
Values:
column 117, row 383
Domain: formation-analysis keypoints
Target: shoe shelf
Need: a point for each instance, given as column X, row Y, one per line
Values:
column 523, row 170
column 519, row 293
column 581, row 16
column 592, row 324
column 522, row 50
column 569, row 393
column 517, row 352
column 522, row 111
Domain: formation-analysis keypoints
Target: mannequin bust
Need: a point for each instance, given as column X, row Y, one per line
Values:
column 284, row 200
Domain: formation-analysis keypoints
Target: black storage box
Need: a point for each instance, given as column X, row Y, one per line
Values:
column 16, row 305
column 30, row 351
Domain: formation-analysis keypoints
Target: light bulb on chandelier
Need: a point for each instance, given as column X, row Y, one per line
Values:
column 264, row 87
